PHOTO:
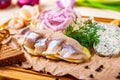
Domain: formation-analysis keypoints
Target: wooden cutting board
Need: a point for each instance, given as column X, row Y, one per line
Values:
column 15, row 73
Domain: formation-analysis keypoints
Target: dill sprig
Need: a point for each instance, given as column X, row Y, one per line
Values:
column 86, row 34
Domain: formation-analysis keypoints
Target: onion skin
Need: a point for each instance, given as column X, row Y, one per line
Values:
column 28, row 13
column 33, row 2
column 4, row 4
column 16, row 23
column 27, row 2
column 65, row 3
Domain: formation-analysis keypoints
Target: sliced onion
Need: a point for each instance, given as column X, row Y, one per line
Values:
column 27, row 2
column 58, row 19
column 16, row 23
column 65, row 3
column 29, row 13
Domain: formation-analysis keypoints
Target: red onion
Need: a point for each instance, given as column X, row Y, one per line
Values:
column 27, row 2
column 58, row 19
column 65, row 3
column 4, row 3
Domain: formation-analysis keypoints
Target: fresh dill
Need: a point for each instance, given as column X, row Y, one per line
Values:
column 86, row 34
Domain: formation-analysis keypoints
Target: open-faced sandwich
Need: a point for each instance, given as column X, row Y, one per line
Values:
column 60, row 42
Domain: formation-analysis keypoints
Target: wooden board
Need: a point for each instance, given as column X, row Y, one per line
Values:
column 15, row 73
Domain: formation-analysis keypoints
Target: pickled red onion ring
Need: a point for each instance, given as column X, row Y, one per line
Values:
column 57, row 20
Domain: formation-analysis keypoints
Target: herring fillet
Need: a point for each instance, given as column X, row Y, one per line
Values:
column 77, row 53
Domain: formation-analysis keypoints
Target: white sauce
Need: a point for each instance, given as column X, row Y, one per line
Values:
column 109, row 40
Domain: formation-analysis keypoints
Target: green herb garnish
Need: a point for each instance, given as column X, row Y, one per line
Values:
column 86, row 34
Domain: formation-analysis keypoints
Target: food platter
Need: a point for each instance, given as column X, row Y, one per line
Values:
column 14, row 73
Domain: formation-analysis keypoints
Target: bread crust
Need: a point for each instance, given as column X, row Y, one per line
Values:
column 10, row 56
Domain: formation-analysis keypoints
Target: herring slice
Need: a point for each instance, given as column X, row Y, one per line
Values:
column 31, row 39
column 53, row 48
column 58, row 46
column 40, row 46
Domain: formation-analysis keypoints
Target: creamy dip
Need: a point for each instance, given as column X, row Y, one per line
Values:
column 109, row 40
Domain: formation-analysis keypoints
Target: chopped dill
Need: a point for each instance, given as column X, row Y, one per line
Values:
column 85, row 34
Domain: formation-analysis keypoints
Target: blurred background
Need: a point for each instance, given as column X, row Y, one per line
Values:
column 103, row 4
column 97, row 8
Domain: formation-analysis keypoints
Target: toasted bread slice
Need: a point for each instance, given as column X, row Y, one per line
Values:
column 10, row 56
column 4, row 34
